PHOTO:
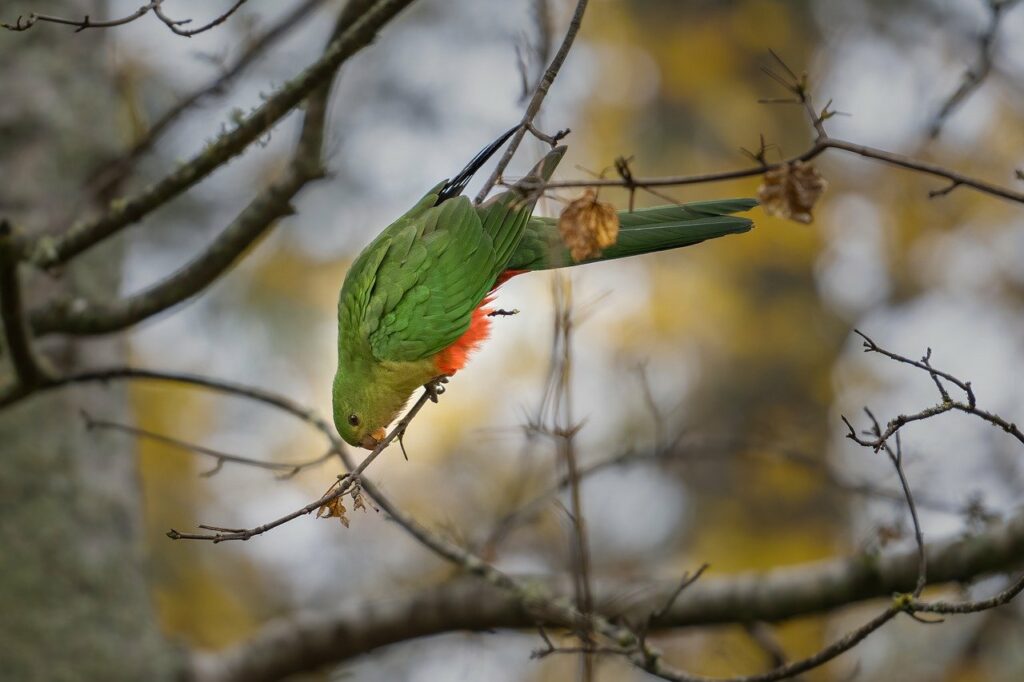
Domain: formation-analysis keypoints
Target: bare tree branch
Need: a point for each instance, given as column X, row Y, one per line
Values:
column 543, row 605
column 79, row 316
column 345, row 485
column 112, row 173
column 310, row 640
column 633, row 644
column 47, row 251
column 27, row 371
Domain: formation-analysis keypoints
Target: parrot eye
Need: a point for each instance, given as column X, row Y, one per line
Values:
column 353, row 420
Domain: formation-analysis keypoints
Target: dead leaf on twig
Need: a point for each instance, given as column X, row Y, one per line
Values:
column 333, row 509
column 587, row 226
column 791, row 190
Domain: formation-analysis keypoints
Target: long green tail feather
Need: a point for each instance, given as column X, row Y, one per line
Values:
column 641, row 231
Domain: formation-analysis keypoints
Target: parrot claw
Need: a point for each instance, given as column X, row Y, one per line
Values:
column 436, row 387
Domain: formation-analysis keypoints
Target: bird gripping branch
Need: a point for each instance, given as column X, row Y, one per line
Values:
column 414, row 303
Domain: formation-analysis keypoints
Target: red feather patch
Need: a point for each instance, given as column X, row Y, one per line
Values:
column 454, row 357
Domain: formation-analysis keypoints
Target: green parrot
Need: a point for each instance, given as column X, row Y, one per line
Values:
column 413, row 304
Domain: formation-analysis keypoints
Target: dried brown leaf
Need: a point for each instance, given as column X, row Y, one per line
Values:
column 587, row 226
column 791, row 191
column 333, row 509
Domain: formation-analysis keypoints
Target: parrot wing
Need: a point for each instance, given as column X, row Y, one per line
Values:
column 433, row 274
column 421, row 279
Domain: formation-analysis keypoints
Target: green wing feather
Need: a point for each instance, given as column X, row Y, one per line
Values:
column 641, row 231
column 412, row 292
column 429, row 282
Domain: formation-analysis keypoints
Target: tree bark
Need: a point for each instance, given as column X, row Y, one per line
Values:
column 73, row 584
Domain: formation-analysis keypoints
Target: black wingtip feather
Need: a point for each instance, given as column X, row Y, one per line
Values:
column 456, row 185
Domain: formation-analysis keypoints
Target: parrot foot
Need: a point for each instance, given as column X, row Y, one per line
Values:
column 436, row 387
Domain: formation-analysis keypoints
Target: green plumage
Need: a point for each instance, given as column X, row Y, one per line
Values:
column 642, row 231
column 411, row 293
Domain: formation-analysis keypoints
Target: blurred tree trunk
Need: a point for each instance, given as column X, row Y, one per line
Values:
column 73, row 587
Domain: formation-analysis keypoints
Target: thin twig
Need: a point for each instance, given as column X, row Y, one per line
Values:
column 539, row 93
column 288, row 469
column 896, row 457
column 798, row 87
column 341, row 487
column 675, row 451
column 925, row 364
column 175, row 24
column 688, row 579
column 762, row 635
column 975, row 75
column 25, row 23
column 106, row 178
column 105, row 375
column 566, row 447
column 1002, row 597
column 655, row 666
column 814, row 151
column 660, row 443
column 947, row 404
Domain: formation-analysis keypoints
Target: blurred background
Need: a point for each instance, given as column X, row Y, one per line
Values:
column 733, row 359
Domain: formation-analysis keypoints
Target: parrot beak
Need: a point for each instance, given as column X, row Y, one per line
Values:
column 371, row 440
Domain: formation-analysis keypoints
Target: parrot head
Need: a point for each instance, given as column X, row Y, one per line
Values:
column 360, row 414
column 368, row 396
